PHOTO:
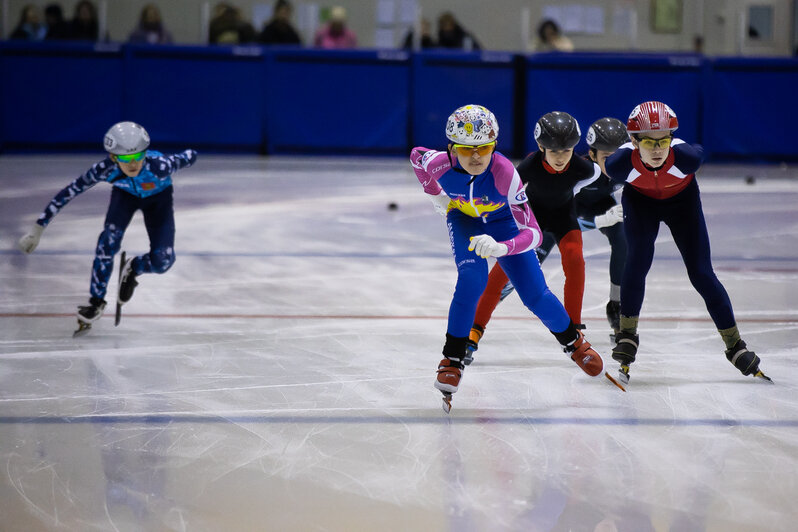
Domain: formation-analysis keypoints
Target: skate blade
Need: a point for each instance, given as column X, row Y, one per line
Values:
column 83, row 329
column 447, row 402
column 763, row 376
column 614, row 381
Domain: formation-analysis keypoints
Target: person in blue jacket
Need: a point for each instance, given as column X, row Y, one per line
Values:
column 658, row 173
column 141, row 180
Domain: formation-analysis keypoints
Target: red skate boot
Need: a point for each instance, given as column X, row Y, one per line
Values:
column 583, row 354
column 450, row 372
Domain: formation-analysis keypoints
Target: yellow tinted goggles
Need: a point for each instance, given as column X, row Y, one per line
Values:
column 650, row 144
column 483, row 149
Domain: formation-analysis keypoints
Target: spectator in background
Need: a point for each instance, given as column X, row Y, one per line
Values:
column 85, row 25
column 279, row 29
column 426, row 37
column 150, row 29
column 30, row 27
column 335, row 34
column 452, row 35
column 551, row 39
column 228, row 27
column 57, row 26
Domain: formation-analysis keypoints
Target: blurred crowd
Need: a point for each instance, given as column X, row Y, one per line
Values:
column 227, row 25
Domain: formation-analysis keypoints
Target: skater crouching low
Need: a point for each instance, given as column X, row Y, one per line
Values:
column 141, row 180
column 482, row 196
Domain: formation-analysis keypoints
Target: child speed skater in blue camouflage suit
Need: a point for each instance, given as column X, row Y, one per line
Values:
column 141, row 180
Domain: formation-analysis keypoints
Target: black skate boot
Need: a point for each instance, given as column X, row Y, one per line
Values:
column 88, row 314
column 744, row 360
column 127, row 282
column 624, row 352
column 614, row 317
column 472, row 344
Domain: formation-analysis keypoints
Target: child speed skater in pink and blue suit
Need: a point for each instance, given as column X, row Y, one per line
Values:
column 481, row 194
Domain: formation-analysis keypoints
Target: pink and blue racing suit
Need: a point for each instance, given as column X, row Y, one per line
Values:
column 492, row 203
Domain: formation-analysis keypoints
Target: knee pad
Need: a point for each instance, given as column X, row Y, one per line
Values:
column 162, row 259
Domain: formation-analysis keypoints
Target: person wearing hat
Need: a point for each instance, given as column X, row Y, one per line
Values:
column 141, row 179
column 483, row 198
column 658, row 174
column 335, row 34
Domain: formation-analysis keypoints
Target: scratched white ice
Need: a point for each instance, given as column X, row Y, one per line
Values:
column 279, row 376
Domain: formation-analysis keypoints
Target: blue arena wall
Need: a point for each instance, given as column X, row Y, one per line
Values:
column 64, row 96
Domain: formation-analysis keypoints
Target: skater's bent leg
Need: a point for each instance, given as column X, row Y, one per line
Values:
column 573, row 266
column 525, row 274
column 472, row 274
column 690, row 235
column 159, row 220
column 618, row 251
column 156, row 261
column 641, row 226
column 491, row 296
column 107, row 246
column 471, row 280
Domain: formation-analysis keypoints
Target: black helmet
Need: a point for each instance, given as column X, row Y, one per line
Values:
column 557, row 131
column 607, row 134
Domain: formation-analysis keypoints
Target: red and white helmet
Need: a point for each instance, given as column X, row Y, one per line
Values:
column 652, row 116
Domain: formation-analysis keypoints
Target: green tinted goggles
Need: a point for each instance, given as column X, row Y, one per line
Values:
column 132, row 157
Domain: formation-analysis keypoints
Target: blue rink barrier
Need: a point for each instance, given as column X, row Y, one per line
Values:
column 64, row 96
column 749, row 111
column 197, row 96
column 321, row 101
column 443, row 81
column 593, row 86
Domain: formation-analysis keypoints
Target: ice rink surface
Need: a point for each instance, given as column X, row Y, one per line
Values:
column 280, row 376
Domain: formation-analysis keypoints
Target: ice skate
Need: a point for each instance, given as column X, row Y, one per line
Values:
column 448, row 380
column 88, row 314
column 127, row 280
column 746, row 361
column 624, row 353
column 614, row 318
column 473, row 343
column 623, row 374
column 583, row 354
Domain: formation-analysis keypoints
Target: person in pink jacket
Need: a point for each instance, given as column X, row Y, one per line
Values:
column 335, row 34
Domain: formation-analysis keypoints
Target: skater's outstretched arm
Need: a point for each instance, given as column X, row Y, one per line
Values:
column 98, row 172
column 165, row 165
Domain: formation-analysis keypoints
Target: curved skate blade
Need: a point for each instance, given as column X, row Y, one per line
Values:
column 614, row 381
column 763, row 376
column 447, row 402
column 118, row 315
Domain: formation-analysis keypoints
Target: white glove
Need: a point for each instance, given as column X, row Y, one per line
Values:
column 441, row 203
column 29, row 242
column 485, row 246
column 611, row 217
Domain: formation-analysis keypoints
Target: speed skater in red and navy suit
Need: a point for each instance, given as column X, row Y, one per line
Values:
column 658, row 173
column 551, row 176
column 482, row 196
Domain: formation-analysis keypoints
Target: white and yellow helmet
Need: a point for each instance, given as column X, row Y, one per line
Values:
column 472, row 125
